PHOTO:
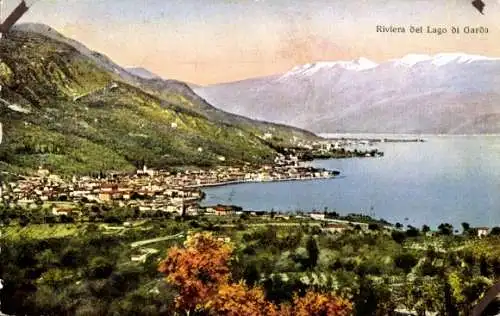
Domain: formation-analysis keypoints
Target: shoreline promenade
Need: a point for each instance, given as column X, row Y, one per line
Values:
column 224, row 183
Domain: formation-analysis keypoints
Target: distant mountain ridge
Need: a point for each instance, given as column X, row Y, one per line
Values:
column 444, row 94
column 142, row 72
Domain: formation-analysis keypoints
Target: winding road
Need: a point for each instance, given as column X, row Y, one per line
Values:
column 153, row 240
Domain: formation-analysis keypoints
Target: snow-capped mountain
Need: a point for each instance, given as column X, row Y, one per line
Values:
column 357, row 65
column 440, row 59
column 443, row 93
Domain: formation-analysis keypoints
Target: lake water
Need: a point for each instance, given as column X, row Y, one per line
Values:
column 450, row 179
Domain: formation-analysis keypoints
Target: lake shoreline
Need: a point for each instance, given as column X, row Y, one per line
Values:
column 418, row 183
column 377, row 140
column 221, row 184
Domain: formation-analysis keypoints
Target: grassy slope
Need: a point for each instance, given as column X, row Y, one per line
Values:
column 173, row 91
column 102, row 131
column 179, row 92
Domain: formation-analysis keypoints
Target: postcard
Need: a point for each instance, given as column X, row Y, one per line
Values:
column 249, row 157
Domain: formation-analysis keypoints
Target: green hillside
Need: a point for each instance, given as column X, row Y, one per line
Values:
column 180, row 92
column 63, row 109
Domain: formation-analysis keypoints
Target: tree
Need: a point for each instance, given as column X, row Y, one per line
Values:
column 24, row 220
column 484, row 267
column 412, row 231
column 495, row 231
column 399, row 225
column 465, row 228
column 47, row 259
column 425, row 294
column 66, row 219
column 456, row 286
column 332, row 214
column 405, row 261
column 194, row 224
column 244, row 216
column 100, row 268
column 474, row 288
column 398, row 236
column 113, row 219
column 315, row 230
column 70, row 257
column 238, row 299
column 197, row 270
column 445, row 229
column 273, row 213
column 251, row 274
column 366, row 301
column 425, row 229
column 319, row 304
column 373, row 226
column 312, row 252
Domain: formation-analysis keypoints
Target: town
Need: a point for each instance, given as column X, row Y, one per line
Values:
column 146, row 189
column 175, row 192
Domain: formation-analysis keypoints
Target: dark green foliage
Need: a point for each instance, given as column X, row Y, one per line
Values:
column 249, row 250
column 99, row 268
column 484, row 267
column 412, row 232
column 398, row 236
column 66, row 219
column 465, row 228
column 312, row 252
column 425, row 229
column 367, row 300
column 80, row 275
column 244, row 216
column 475, row 288
column 279, row 291
column 90, row 273
column 315, row 230
column 405, row 261
column 194, row 224
column 445, row 229
column 366, row 268
column 450, row 308
column 23, row 220
column 251, row 274
column 373, row 226
column 495, row 231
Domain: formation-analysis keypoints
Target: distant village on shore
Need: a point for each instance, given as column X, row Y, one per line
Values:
column 179, row 192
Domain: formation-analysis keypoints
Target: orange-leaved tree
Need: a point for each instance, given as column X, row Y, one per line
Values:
column 238, row 299
column 197, row 270
column 319, row 304
column 200, row 271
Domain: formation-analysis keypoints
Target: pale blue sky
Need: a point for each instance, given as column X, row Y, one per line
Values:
column 223, row 40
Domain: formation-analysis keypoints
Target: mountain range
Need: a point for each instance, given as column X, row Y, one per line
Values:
column 73, row 110
column 449, row 93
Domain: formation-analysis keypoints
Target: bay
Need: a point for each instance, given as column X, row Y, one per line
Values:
column 451, row 179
